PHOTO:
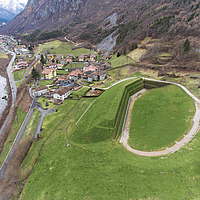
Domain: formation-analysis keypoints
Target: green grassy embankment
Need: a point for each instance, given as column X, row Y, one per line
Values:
column 18, row 75
column 104, row 120
column 104, row 169
column 15, row 128
column 160, row 117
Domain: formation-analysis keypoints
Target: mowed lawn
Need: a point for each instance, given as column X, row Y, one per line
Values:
column 160, row 117
column 104, row 169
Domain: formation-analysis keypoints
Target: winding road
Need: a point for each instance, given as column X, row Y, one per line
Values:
column 28, row 69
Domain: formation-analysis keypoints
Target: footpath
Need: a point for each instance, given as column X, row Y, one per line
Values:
column 194, row 130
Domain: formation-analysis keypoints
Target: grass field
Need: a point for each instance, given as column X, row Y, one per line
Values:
column 160, row 117
column 3, row 55
column 120, row 61
column 104, row 169
column 15, row 128
column 32, row 125
column 58, row 47
column 43, row 83
column 137, row 54
column 18, row 75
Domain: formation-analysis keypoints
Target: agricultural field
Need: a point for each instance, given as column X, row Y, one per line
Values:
column 99, row 167
column 160, row 117
column 18, row 75
column 15, row 128
column 58, row 47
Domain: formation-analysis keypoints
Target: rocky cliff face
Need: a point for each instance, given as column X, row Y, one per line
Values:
column 94, row 20
column 53, row 14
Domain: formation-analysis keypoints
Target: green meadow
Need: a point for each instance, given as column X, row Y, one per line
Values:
column 15, row 128
column 18, row 75
column 160, row 117
column 58, row 47
column 97, row 166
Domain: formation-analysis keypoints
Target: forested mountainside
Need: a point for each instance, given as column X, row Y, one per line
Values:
column 93, row 20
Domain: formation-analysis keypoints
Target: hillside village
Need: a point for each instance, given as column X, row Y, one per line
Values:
column 68, row 79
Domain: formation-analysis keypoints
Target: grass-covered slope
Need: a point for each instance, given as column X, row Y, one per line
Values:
column 104, row 120
column 104, row 169
column 58, row 47
column 160, row 117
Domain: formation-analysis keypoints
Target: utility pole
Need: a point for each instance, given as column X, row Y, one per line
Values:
column 67, row 142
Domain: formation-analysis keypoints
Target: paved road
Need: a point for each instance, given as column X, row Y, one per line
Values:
column 195, row 129
column 43, row 114
column 28, row 69
column 13, row 88
column 17, row 140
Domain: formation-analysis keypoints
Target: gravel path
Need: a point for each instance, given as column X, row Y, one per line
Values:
column 195, row 129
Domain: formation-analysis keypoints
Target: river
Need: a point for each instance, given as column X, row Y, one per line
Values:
column 3, row 92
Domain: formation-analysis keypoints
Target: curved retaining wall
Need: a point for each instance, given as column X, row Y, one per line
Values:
column 130, row 90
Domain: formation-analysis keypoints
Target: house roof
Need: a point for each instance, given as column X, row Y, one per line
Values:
column 41, row 88
column 63, row 90
column 91, row 68
column 62, row 78
column 48, row 70
column 22, row 63
column 92, row 55
column 75, row 73
column 98, row 73
column 70, row 55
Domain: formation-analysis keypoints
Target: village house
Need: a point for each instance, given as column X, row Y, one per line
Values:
column 75, row 75
column 62, row 78
column 49, row 73
column 59, row 57
column 99, row 75
column 62, row 93
column 59, row 66
column 70, row 57
column 92, row 57
column 40, row 91
column 91, row 68
column 52, row 65
column 24, row 51
column 50, row 57
column 22, row 65
column 81, row 58
column 63, row 61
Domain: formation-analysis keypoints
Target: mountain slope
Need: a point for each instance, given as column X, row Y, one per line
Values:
column 93, row 20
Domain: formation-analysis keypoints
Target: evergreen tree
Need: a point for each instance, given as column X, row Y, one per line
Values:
column 186, row 46
column 42, row 59
column 35, row 74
